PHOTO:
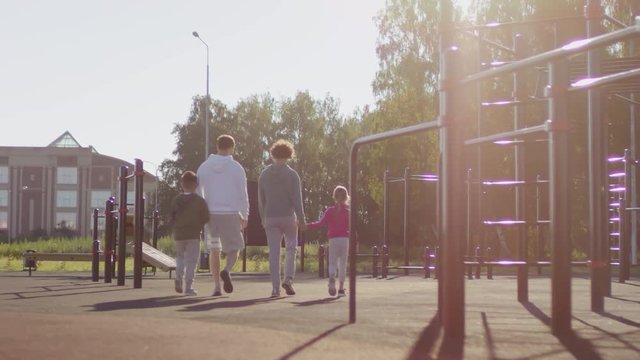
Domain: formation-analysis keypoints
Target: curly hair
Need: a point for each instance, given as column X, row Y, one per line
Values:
column 282, row 149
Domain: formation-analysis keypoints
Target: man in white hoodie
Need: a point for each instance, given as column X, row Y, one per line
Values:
column 223, row 185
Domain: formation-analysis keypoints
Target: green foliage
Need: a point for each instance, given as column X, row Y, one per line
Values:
column 15, row 249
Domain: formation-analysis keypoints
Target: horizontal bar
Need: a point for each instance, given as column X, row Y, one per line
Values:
column 508, row 102
column 572, row 48
column 635, row 102
column 511, row 142
column 492, row 43
column 504, row 182
column 590, row 83
column 504, row 222
column 494, row 25
column 615, row 21
column 396, row 133
column 499, row 136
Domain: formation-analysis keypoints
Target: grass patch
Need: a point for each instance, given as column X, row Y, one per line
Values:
column 257, row 256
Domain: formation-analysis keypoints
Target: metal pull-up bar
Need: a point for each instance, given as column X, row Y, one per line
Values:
column 353, row 174
column 570, row 49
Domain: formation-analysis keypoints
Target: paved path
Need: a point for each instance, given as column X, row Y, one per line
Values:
column 66, row 316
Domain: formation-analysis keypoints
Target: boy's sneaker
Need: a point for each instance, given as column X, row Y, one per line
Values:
column 226, row 281
column 275, row 294
column 332, row 287
column 178, row 286
column 190, row 292
column 288, row 288
column 216, row 292
column 341, row 293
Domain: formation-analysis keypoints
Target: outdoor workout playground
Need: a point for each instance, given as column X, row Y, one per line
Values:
column 465, row 302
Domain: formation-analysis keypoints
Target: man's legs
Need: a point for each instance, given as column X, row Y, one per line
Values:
column 232, row 241
column 214, row 267
column 213, row 243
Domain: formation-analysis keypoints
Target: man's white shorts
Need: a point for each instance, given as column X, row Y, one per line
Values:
column 212, row 243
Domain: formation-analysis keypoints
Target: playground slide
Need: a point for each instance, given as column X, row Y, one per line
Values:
column 157, row 258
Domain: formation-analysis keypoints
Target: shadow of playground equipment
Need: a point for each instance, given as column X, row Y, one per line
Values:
column 300, row 348
column 155, row 302
column 577, row 346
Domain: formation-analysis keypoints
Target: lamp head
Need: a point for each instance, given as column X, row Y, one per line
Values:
column 195, row 33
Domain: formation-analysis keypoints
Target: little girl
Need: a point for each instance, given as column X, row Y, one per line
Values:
column 336, row 219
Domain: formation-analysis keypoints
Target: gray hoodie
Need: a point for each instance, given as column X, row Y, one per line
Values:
column 280, row 192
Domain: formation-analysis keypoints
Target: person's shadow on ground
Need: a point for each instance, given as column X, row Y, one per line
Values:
column 154, row 302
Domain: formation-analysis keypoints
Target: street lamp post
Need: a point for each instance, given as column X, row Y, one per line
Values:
column 206, row 110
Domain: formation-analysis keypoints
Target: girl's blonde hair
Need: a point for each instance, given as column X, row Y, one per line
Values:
column 340, row 193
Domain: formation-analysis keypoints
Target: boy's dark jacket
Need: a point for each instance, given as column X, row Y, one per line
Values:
column 189, row 213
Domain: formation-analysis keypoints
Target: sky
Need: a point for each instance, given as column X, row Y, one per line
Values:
column 118, row 75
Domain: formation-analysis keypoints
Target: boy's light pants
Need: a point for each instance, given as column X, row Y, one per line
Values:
column 187, row 252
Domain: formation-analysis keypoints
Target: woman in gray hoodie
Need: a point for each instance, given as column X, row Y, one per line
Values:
column 282, row 213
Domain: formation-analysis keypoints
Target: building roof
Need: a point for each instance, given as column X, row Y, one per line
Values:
column 66, row 140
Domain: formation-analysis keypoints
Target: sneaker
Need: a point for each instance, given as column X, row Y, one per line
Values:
column 332, row 287
column 341, row 293
column 191, row 292
column 288, row 288
column 275, row 294
column 216, row 292
column 178, row 286
column 226, row 281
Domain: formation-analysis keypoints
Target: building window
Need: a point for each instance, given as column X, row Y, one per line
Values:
column 99, row 198
column 4, row 174
column 4, row 197
column 67, row 175
column 66, row 220
column 66, row 198
column 4, row 223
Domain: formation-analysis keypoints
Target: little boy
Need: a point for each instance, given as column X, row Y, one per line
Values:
column 189, row 213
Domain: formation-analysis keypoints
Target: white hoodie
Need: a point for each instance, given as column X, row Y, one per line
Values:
column 222, row 182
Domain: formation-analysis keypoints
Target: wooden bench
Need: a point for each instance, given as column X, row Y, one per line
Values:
column 151, row 256
column 30, row 258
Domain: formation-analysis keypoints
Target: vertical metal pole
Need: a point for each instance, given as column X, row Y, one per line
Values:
column 122, row 225
column 446, row 29
column 559, row 197
column 519, row 90
column 385, row 208
column 138, row 225
column 321, row 261
column 95, row 263
column 597, row 168
column 353, row 230
column 634, row 129
column 374, row 262
column 156, row 222
column 206, row 113
column 301, row 237
column 108, row 239
column 453, row 196
column 625, row 217
column 539, row 225
column 405, row 220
